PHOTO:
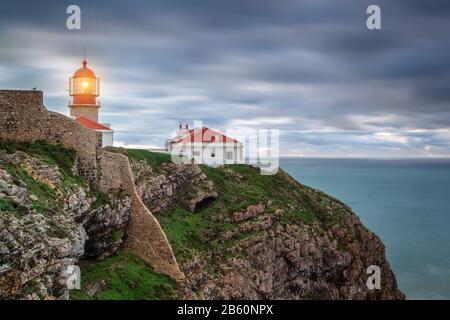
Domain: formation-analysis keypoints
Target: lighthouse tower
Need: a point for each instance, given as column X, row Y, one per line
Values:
column 84, row 88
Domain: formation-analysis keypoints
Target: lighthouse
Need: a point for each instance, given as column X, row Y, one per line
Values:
column 84, row 88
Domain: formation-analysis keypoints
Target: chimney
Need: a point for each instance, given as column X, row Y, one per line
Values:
column 187, row 126
column 180, row 125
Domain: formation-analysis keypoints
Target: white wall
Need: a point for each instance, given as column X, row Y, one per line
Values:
column 202, row 152
column 107, row 138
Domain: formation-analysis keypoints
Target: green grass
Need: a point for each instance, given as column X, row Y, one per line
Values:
column 5, row 205
column 46, row 196
column 185, row 231
column 126, row 277
column 101, row 198
column 298, row 217
column 252, row 189
column 202, row 231
column 153, row 159
column 116, row 235
column 53, row 154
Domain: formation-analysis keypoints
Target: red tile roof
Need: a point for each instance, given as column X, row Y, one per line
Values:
column 85, row 122
column 205, row 135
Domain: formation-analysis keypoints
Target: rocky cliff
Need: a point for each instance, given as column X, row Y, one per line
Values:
column 49, row 218
column 241, row 235
column 235, row 233
column 24, row 120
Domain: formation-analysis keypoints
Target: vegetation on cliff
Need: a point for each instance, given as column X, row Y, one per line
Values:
column 212, row 232
column 123, row 276
column 48, row 193
column 259, row 236
column 49, row 218
column 235, row 232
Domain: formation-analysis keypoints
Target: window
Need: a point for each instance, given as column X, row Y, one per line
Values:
column 229, row 155
column 84, row 85
column 196, row 153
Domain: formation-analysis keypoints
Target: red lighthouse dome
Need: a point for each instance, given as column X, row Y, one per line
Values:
column 84, row 90
column 84, row 86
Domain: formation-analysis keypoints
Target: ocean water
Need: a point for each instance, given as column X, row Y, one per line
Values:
column 405, row 202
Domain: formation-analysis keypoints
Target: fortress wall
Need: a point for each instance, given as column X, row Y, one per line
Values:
column 23, row 117
column 145, row 237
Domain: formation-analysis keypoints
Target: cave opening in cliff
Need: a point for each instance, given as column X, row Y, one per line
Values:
column 204, row 203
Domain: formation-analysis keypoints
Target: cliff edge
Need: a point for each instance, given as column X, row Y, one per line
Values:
column 134, row 221
column 240, row 235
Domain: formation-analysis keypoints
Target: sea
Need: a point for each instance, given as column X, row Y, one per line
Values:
column 405, row 202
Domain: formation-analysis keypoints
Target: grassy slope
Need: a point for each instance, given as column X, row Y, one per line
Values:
column 58, row 155
column 46, row 199
column 201, row 232
column 153, row 159
column 189, row 233
column 126, row 277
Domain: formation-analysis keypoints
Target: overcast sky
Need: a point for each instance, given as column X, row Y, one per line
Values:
column 309, row 68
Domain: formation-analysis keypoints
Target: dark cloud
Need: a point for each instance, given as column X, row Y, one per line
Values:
column 310, row 68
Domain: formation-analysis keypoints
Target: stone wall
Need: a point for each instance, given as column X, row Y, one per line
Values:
column 145, row 237
column 24, row 118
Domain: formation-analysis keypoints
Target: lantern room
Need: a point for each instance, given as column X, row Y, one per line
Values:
column 84, row 86
column 84, row 108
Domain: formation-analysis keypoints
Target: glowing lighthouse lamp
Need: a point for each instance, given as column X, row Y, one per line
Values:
column 84, row 88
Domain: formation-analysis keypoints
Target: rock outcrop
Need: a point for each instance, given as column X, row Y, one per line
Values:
column 290, row 242
column 293, row 262
column 172, row 185
column 24, row 118
column 47, row 223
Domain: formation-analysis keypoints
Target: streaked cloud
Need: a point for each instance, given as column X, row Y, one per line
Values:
column 309, row 68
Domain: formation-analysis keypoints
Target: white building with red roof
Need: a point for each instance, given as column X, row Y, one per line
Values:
column 205, row 145
column 104, row 128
